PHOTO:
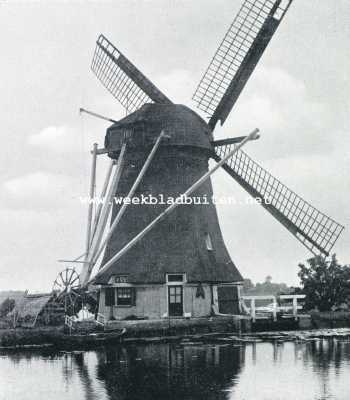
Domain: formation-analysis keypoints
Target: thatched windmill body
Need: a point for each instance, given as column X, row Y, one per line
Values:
column 170, row 262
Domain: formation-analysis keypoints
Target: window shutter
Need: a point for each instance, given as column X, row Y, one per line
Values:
column 109, row 297
column 133, row 296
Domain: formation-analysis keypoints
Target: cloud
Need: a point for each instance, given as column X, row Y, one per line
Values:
column 291, row 120
column 70, row 143
column 35, row 240
column 178, row 85
column 322, row 179
column 54, row 138
column 279, row 83
column 40, row 190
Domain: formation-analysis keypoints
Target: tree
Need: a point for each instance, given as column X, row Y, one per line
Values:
column 7, row 306
column 264, row 288
column 247, row 285
column 325, row 282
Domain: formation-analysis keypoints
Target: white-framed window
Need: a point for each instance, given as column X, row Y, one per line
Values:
column 208, row 242
column 175, row 278
column 120, row 296
column 126, row 296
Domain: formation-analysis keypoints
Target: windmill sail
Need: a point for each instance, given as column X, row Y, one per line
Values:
column 237, row 56
column 122, row 79
column 315, row 230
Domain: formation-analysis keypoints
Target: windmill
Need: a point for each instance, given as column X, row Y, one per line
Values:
column 162, row 148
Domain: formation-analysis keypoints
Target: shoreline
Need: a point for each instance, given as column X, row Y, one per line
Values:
column 335, row 324
column 299, row 336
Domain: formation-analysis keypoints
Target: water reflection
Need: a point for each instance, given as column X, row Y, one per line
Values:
column 169, row 372
column 314, row 370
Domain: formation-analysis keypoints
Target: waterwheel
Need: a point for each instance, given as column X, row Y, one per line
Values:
column 67, row 289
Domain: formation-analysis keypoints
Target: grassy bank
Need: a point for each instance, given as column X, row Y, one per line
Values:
column 135, row 330
column 25, row 337
column 330, row 319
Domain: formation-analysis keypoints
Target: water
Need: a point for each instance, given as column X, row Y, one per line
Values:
column 262, row 371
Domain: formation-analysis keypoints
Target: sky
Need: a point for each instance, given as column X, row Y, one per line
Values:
column 298, row 97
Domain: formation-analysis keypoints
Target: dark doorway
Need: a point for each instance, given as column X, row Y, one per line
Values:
column 228, row 299
column 175, row 301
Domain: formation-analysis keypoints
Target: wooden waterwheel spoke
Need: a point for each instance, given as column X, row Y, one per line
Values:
column 71, row 300
column 62, row 294
column 56, row 283
column 73, row 291
column 62, row 279
column 74, row 280
column 71, row 276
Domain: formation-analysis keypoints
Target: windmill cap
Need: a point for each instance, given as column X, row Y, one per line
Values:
column 181, row 126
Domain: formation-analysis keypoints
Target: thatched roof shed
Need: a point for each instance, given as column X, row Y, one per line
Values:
column 16, row 295
column 29, row 308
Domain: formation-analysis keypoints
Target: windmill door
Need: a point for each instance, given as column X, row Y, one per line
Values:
column 228, row 299
column 175, row 301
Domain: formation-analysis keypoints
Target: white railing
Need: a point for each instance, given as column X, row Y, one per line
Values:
column 273, row 308
column 69, row 321
column 101, row 319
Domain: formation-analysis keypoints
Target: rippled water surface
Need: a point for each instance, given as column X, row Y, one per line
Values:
column 261, row 371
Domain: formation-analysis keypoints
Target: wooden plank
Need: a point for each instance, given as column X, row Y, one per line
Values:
column 265, row 297
column 224, row 142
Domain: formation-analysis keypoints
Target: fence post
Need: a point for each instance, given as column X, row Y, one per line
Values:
column 274, row 310
column 252, row 309
column 295, row 308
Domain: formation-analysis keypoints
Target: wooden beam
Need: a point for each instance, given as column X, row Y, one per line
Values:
column 129, row 196
column 102, row 151
column 85, row 274
column 234, row 140
column 83, row 110
column 102, row 197
column 258, row 297
column 91, row 195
